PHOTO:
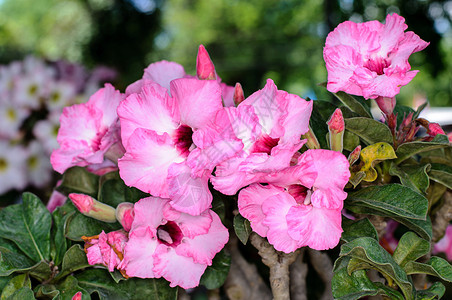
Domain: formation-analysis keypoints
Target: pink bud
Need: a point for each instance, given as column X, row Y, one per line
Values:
column 336, row 122
column 77, row 296
column 386, row 104
column 450, row 137
column 434, row 129
column 204, row 65
column 84, row 203
column 125, row 215
column 239, row 96
column 354, row 155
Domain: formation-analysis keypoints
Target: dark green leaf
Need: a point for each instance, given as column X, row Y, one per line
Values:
column 419, row 110
column 436, row 291
column 69, row 288
column 14, row 284
column 351, row 141
column 60, row 216
column 436, row 266
column 41, row 271
column 392, row 199
column 369, row 130
column 368, row 250
column 4, row 281
column 354, row 105
column 218, row 204
column 28, row 225
column 356, row 229
column 411, row 176
column 46, row 291
column 112, row 192
column 74, row 259
column 442, row 174
column 24, row 293
column 215, row 275
column 79, row 225
column 321, row 111
column 242, row 228
column 133, row 194
column 12, row 261
column 387, row 291
column 410, row 149
column 410, row 248
column 421, row 227
column 98, row 280
column 79, row 180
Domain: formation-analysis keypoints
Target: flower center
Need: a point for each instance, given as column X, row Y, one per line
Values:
column 377, row 65
column 183, row 140
column 3, row 164
column 300, row 193
column 169, row 234
column 264, row 144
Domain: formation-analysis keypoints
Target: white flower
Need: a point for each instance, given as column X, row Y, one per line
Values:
column 12, row 167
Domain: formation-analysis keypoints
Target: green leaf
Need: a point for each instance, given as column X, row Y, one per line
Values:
column 79, row 180
column 369, row 130
column 4, row 281
column 112, row 192
column 353, row 104
column 28, row 225
column 368, row 250
column 410, row 149
column 11, row 261
column 98, row 280
column 419, row 110
column 442, row 174
column 14, row 284
column 74, row 259
column 352, row 286
column 60, row 216
column 402, row 111
column 387, row 291
column 351, row 141
column 436, row 266
column 392, row 199
column 79, row 225
column 242, row 228
column 436, row 291
column 410, row 248
column 69, row 288
column 46, row 291
column 356, row 229
column 412, row 176
column 41, row 271
column 321, row 111
column 421, row 227
column 24, row 293
column 215, row 275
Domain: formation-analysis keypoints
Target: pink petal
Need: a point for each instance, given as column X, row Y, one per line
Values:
column 106, row 100
column 139, row 254
column 189, row 195
column 190, row 226
column 198, row 100
column 392, row 32
column 147, row 160
column 178, row 270
column 149, row 214
column 203, row 248
column 151, row 109
column 317, row 228
column 227, row 92
column 163, row 72
column 297, row 121
column 135, row 87
column 275, row 209
column 56, row 199
column 250, row 205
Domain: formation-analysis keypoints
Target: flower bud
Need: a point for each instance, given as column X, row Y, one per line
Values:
column 205, row 70
column 434, row 129
column 239, row 96
column 125, row 215
column 77, row 296
column 386, row 104
column 312, row 142
column 336, row 127
column 354, row 155
column 90, row 207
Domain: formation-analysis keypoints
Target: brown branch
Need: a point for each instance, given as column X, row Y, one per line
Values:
column 379, row 224
column 243, row 280
column 298, row 272
column 278, row 262
column 442, row 217
column 324, row 268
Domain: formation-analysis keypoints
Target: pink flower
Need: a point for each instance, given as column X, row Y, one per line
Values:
column 268, row 124
column 166, row 243
column 56, row 198
column 434, row 129
column 445, row 244
column 157, row 130
column 371, row 59
column 302, row 204
column 106, row 248
column 125, row 215
column 77, row 296
column 88, row 130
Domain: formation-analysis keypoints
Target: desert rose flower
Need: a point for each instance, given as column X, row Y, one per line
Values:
column 371, row 59
column 166, row 243
column 88, row 131
column 445, row 244
column 302, row 204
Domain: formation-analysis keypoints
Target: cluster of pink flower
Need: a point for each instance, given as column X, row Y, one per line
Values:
column 32, row 95
column 171, row 133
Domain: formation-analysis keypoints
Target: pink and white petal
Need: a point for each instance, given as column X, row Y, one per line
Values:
column 391, row 33
column 198, row 100
column 408, row 45
column 250, row 205
column 270, row 107
column 134, row 87
column 227, row 92
column 139, row 254
column 275, row 209
column 106, row 100
column 203, row 248
column 163, row 72
column 190, row 226
column 297, row 121
column 178, row 270
column 146, row 162
column 388, row 86
column 149, row 214
column 317, row 228
column 79, row 122
column 189, row 195
column 152, row 109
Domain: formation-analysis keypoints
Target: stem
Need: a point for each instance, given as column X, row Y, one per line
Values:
column 298, row 272
column 324, row 268
column 278, row 262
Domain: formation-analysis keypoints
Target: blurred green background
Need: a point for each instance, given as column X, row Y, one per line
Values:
column 248, row 41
